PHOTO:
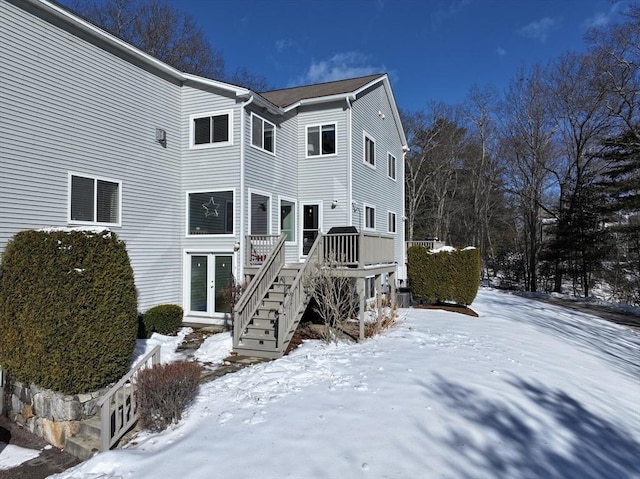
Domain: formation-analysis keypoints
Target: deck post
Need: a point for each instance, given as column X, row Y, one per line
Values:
column 379, row 295
column 391, row 284
column 363, row 305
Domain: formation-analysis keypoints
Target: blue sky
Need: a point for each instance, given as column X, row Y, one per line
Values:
column 432, row 49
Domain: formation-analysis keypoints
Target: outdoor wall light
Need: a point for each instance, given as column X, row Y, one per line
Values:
column 236, row 246
column 161, row 136
column 334, row 204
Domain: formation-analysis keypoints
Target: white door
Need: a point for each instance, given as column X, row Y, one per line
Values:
column 209, row 276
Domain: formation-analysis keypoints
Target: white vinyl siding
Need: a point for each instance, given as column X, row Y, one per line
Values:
column 53, row 85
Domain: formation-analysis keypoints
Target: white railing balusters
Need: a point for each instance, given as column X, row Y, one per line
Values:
column 122, row 397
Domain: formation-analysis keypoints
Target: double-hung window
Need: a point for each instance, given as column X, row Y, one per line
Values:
column 94, row 200
column 369, row 217
column 391, row 166
column 391, row 222
column 321, row 140
column 211, row 130
column 263, row 134
column 369, row 151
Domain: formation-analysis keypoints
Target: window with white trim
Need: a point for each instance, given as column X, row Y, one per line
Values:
column 211, row 130
column 94, row 200
column 210, row 213
column 369, row 217
column 263, row 134
column 288, row 219
column 391, row 222
column 391, row 166
column 369, row 150
column 321, row 140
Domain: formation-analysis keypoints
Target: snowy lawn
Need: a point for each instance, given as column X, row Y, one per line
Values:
column 527, row 390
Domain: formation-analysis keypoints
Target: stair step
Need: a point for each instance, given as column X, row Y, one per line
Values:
column 273, row 295
column 82, row 447
column 266, row 313
column 258, row 333
column 90, row 428
column 264, row 323
column 257, row 353
column 259, row 344
column 270, row 304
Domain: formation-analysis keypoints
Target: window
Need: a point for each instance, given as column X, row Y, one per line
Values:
column 263, row 134
column 321, row 140
column 94, row 200
column 369, row 287
column 369, row 217
column 211, row 130
column 369, row 150
column 391, row 166
column 288, row 219
column 391, row 222
column 210, row 213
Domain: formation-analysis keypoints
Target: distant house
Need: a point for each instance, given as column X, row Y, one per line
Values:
column 201, row 178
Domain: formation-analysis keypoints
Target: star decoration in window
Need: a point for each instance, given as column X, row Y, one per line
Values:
column 210, row 208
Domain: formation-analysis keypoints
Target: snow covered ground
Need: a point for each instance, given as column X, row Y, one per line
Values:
column 527, row 390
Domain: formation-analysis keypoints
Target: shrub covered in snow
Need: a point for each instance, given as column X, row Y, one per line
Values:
column 444, row 276
column 162, row 319
column 68, row 309
column 164, row 391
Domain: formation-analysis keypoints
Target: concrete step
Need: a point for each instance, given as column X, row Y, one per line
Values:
column 90, row 428
column 82, row 447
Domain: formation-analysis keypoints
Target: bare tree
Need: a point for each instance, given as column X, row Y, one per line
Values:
column 527, row 149
column 159, row 29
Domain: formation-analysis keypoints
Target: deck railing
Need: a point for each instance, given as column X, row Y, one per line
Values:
column 430, row 244
column 358, row 249
column 272, row 263
column 258, row 247
column 118, row 411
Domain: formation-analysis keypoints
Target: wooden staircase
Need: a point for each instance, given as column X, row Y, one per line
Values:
column 270, row 309
column 261, row 337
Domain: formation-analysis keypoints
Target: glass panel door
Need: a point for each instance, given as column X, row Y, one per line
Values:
column 209, row 276
column 199, row 290
column 310, row 226
column 223, row 277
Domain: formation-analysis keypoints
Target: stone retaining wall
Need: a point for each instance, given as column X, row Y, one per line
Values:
column 51, row 415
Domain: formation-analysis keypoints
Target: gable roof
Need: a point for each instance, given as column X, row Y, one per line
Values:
column 289, row 96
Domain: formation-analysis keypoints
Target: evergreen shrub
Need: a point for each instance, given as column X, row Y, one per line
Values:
column 164, row 391
column 68, row 309
column 445, row 276
column 162, row 319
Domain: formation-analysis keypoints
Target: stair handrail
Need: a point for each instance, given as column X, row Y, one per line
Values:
column 249, row 302
column 295, row 296
column 123, row 393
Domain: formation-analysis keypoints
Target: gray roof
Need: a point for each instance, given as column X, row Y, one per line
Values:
column 289, row 96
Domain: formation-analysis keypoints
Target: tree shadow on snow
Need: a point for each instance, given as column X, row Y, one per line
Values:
column 554, row 437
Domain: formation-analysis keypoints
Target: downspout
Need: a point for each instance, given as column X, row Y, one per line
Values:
column 349, row 162
column 241, row 251
column 403, row 273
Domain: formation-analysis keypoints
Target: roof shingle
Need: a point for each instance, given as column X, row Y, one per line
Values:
column 289, row 96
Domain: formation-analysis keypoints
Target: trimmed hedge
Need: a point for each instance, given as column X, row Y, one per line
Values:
column 446, row 276
column 162, row 319
column 68, row 309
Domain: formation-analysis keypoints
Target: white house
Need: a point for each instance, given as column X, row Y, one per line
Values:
column 200, row 178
